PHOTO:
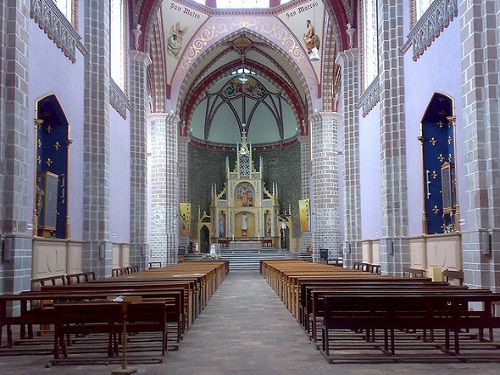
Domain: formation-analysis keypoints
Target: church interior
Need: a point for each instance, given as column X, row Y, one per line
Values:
column 152, row 149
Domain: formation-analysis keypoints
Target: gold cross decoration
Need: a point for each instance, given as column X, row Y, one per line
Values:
column 435, row 210
column 49, row 129
column 449, row 140
column 434, row 175
column 57, row 146
column 39, row 159
column 49, row 162
column 441, row 158
column 433, row 141
column 39, row 143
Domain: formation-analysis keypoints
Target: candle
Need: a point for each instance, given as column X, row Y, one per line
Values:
column 233, row 236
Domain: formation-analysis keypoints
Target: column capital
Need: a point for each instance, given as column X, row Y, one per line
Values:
column 168, row 117
column 140, row 57
column 346, row 55
column 321, row 116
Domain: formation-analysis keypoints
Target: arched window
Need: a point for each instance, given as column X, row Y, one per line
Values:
column 117, row 41
column 369, row 42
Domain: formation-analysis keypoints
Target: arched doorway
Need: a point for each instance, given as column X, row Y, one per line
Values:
column 204, row 239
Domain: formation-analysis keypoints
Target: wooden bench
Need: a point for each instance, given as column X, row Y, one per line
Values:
column 413, row 272
column 78, row 278
column 450, row 276
column 37, row 284
column 448, row 311
column 152, row 265
column 84, row 318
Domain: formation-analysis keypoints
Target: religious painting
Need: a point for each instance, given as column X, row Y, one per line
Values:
column 180, row 24
column 304, row 215
column 47, row 192
column 174, row 41
column 245, row 194
column 185, row 218
column 248, row 86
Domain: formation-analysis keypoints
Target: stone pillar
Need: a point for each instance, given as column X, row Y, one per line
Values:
column 394, row 243
column 183, row 183
column 97, row 254
column 481, row 237
column 164, row 188
column 349, row 62
column 139, row 62
column 16, row 121
column 325, row 187
column 305, row 176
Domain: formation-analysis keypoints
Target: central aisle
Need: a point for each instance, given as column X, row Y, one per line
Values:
column 245, row 329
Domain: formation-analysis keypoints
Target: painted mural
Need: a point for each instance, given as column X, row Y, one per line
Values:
column 180, row 24
column 306, row 22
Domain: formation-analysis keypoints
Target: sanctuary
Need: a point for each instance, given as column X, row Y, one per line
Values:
column 246, row 210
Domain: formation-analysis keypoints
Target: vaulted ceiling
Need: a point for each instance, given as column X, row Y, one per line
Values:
column 208, row 60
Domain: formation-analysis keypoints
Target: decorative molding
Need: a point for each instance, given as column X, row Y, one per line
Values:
column 369, row 99
column 50, row 19
column 118, row 99
column 430, row 25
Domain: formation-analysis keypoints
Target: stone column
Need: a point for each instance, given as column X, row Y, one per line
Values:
column 16, row 121
column 349, row 62
column 183, row 182
column 325, row 202
column 139, row 62
column 394, row 243
column 164, row 188
column 305, row 176
column 97, row 254
column 480, row 79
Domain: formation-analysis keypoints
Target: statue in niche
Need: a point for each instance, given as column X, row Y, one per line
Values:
column 244, row 224
column 221, row 225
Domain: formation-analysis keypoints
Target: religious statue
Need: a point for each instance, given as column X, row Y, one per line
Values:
column 310, row 37
column 244, row 222
column 221, row 225
column 269, row 226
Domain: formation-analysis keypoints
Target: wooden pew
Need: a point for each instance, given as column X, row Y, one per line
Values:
column 78, row 278
column 413, row 272
column 437, row 310
column 450, row 276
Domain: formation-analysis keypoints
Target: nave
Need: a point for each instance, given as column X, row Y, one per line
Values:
column 246, row 329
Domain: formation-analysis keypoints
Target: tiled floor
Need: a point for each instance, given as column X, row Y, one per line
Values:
column 245, row 329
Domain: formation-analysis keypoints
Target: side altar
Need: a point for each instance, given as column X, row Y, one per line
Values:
column 245, row 209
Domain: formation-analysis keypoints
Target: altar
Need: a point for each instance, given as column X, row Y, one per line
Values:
column 245, row 245
column 245, row 211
